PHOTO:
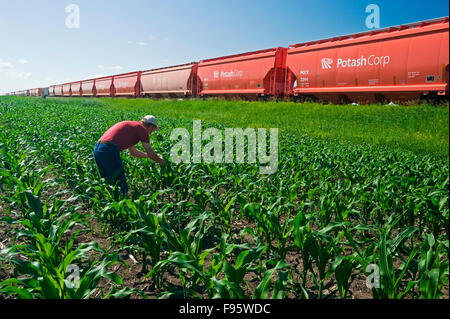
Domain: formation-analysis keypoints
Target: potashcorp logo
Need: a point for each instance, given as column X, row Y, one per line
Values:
column 228, row 74
column 372, row 60
column 326, row 63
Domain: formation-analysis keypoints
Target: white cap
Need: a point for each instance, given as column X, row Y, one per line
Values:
column 150, row 119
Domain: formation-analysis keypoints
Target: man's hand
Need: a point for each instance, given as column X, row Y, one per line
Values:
column 152, row 155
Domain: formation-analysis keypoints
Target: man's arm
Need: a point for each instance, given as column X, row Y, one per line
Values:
column 137, row 153
column 152, row 155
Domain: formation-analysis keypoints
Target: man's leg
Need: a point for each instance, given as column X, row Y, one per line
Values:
column 110, row 166
column 118, row 176
column 123, row 184
column 99, row 162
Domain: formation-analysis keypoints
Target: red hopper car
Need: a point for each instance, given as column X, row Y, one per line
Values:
column 76, row 88
column 127, row 84
column 104, row 86
column 175, row 81
column 249, row 75
column 396, row 63
column 88, row 88
column 67, row 89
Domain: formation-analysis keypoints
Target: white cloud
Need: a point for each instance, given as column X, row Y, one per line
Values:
column 20, row 75
column 165, row 60
column 142, row 43
column 114, row 67
column 130, row 42
column 166, row 39
column 5, row 65
column 22, row 61
column 150, row 37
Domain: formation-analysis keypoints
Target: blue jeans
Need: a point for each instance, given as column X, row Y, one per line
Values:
column 110, row 166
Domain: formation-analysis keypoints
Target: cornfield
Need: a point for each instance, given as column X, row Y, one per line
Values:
column 334, row 216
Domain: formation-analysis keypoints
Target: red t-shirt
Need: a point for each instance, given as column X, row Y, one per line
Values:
column 126, row 134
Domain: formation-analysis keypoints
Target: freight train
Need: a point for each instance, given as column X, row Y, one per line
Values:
column 399, row 63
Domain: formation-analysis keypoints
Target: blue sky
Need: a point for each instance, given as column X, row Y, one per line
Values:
column 37, row 49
